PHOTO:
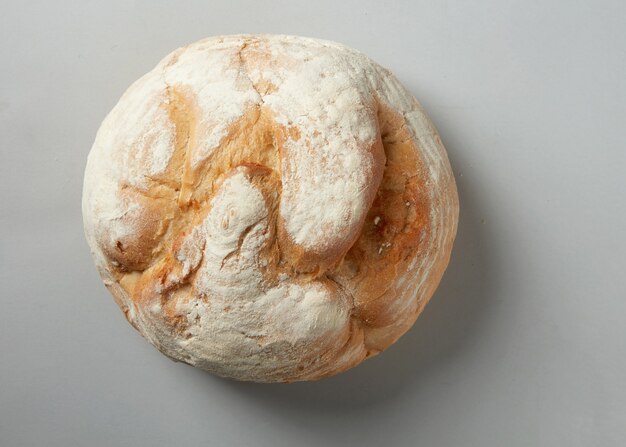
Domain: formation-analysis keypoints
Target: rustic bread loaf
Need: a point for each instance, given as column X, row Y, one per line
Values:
column 269, row 208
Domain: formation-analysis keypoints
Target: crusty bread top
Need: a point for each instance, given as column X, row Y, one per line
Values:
column 269, row 208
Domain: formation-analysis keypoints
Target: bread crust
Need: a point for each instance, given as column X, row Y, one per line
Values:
column 269, row 208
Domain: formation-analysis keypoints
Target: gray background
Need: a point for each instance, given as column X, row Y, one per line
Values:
column 524, row 343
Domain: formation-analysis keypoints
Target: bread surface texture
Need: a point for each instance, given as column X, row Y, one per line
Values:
column 269, row 208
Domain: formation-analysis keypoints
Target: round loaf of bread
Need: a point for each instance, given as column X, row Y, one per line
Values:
column 269, row 208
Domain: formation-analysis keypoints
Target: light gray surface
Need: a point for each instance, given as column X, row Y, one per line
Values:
column 524, row 344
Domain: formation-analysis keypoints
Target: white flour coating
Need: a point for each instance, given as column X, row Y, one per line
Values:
column 238, row 323
column 255, row 334
column 136, row 140
column 162, row 147
column 242, row 314
column 227, row 264
column 134, row 144
column 222, row 92
column 336, row 119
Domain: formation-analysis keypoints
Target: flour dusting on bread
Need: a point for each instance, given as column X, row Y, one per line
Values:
column 269, row 208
